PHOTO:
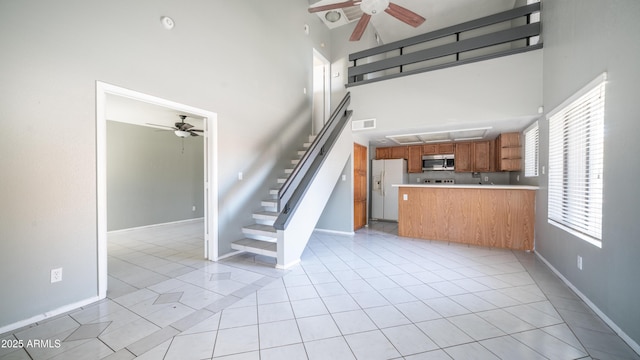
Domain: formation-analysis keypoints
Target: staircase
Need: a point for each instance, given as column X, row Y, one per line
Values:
column 261, row 237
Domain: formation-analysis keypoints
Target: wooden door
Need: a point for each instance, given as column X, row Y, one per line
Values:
column 359, row 186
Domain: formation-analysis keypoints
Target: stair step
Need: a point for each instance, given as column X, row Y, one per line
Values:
column 269, row 202
column 274, row 191
column 288, row 171
column 266, row 231
column 301, row 152
column 266, row 215
column 295, row 161
column 282, row 180
column 312, row 137
column 306, row 145
column 256, row 247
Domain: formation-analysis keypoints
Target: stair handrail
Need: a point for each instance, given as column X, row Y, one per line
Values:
column 297, row 183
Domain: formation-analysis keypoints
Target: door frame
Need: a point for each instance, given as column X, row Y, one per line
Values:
column 210, row 145
column 326, row 88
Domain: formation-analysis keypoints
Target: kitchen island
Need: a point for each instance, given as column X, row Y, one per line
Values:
column 500, row 216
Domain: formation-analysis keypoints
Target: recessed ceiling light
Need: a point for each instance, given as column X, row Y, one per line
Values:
column 167, row 22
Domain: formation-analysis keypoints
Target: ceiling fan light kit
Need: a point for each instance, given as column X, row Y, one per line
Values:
column 373, row 7
column 332, row 16
column 181, row 129
column 182, row 134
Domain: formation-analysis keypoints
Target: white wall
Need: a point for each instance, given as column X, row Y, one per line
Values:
column 477, row 94
column 153, row 177
column 248, row 61
column 584, row 38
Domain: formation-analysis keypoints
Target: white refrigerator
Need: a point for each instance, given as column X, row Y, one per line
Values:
column 384, row 197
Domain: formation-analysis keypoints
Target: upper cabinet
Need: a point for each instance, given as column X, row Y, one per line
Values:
column 383, row 153
column 399, row 152
column 481, row 151
column 509, row 152
column 414, row 162
column 463, row 157
column 392, row 152
column 437, row 149
column 503, row 154
column 474, row 156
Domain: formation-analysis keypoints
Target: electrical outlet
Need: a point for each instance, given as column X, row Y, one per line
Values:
column 56, row 275
column 579, row 262
column 418, row 180
column 486, row 178
column 193, row 208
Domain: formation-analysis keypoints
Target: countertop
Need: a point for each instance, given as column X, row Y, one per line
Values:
column 470, row 186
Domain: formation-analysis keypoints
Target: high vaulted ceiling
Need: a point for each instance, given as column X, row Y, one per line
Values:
column 439, row 14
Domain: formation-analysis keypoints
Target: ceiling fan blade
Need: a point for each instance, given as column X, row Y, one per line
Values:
column 405, row 15
column 360, row 27
column 162, row 126
column 339, row 5
column 197, row 130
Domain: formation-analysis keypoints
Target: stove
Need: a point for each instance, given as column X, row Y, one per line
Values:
column 439, row 181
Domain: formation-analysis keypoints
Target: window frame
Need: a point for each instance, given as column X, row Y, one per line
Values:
column 576, row 163
column 528, row 152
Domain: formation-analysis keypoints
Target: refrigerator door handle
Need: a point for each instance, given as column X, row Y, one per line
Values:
column 382, row 183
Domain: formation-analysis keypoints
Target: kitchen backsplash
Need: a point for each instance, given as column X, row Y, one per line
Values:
column 496, row 178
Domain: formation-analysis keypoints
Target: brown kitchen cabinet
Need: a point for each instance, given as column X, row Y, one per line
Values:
column 481, row 152
column 391, row 152
column 508, row 152
column 462, row 152
column 414, row 163
column 399, row 152
column 473, row 156
column 437, row 149
column 383, row 153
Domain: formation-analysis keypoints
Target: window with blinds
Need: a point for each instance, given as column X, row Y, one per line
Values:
column 531, row 150
column 576, row 137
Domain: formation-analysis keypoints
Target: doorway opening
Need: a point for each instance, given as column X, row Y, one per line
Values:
column 321, row 105
column 104, row 92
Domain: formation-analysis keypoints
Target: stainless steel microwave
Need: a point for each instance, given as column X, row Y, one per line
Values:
column 438, row 162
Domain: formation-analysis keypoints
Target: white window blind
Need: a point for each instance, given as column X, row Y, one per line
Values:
column 531, row 150
column 576, row 137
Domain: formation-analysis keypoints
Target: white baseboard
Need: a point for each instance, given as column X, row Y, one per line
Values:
column 634, row 345
column 227, row 255
column 156, row 225
column 49, row 314
column 287, row 266
column 336, row 232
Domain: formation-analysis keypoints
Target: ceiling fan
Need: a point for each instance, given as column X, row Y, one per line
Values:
column 370, row 8
column 182, row 129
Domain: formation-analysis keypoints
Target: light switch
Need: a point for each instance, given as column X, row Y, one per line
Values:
column 405, row 197
column 344, row 177
column 240, row 175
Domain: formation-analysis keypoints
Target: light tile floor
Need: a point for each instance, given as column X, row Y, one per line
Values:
column 370, row 296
